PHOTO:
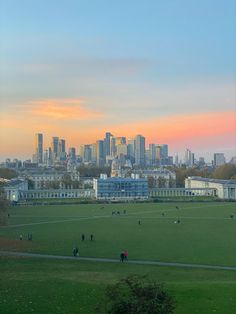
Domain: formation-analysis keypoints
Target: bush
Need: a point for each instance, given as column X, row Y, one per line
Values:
column 136, row 295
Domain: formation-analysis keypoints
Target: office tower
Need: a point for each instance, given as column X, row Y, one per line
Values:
column 93, row 152
column 164, row 151
column 140, row 150
column 100, row 158
column 81, row 151
column 72, row 153
column 112, row 146
column 121, row 149
column 107, row 143
column 219, row 159
column 45, row 156
column 38, row 148
column 176, row 160
column 62, row 146
column 87, row 153
column 55, row 147
column 189, row 158
column 152, row 154
column 120, row 140
column 62, row 149
column 158, row 155
column 114, row 142
column 131, row 150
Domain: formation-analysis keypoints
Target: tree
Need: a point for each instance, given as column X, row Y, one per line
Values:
column 4, row 205
column 7, row 173
column 161, row 181
column 151, row 182
column 225, row 172
column 136, row 295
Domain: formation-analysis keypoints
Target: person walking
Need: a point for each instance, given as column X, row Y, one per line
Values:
column 91, row 237
column 126, row 255
column 83, row 237
column 122, row 256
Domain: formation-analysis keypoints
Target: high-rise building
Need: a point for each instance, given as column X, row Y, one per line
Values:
column 39, row 148
column 100, row 153
column 219, row 159
column 62, row 149
column 121, row 149
column 176, row 160
column 189, row 158
column 152, row 154
column 93, row 152
column 140, row 150
column 164, row 151
column 72, row 153
column 131, row 150
column 107, row 143
column 55, row 147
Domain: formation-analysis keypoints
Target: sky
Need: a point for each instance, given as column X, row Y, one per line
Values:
column 76, row 69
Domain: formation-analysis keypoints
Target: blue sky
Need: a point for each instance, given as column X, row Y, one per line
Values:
column 133, row 60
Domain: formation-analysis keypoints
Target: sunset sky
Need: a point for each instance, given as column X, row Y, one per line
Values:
column 76, row 69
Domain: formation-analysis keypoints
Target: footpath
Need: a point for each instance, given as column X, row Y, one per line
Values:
column 112, row 260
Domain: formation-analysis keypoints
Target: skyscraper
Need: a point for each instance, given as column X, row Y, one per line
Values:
column 62, row 149
column 39, row 147
column 189, row 158
column 152, row 154
column 72, row 153
column 107, row 143
column 55, row 147
column 100, row 153
column 140, row 150
column 219, row 159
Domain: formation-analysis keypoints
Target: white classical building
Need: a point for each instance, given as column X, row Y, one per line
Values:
column 225, row 189
column 14, row 187
column 157, row 173
column 41, row 179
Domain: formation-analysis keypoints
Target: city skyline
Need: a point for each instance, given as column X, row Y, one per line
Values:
column 135, row 149
column 75, row 70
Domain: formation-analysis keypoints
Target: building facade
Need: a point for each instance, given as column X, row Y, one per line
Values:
column 139, row 150
column 120, row 188
column 225, row 189
column 38, row 155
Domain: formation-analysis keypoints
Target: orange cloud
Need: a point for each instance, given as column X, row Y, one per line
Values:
column 61, row 109
column 189, row 130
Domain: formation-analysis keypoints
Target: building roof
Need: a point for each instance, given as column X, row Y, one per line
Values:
column 14, row 182
column 122, row 179
column 213, row 180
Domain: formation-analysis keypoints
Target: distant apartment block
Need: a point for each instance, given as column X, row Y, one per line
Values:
column 219, row 159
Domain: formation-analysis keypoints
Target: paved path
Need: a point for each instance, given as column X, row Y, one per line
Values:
column 111, row 260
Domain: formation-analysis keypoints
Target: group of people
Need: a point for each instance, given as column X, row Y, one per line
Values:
column 117, row 212
column 29, row 237
column 75, row 251
column 83, row 237
column 124, row 256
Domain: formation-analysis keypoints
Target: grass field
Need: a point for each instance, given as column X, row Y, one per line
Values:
column 205, row 235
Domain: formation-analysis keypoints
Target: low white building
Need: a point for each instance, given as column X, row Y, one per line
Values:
column 225, row 189
column 14, row 187
column 169, row 177
column 42, row 179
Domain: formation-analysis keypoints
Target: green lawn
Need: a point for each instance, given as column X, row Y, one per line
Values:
column 205, row 235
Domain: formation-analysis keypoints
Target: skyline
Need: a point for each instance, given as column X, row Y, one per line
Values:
column 41, row 147
column 75, row 70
